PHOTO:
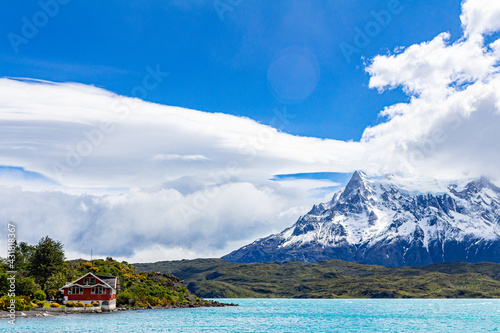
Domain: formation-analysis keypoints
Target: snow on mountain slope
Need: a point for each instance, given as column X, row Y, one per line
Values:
column 391, row 221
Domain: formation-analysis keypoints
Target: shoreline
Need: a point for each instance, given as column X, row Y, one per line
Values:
column 49, row 313
column 29, row 314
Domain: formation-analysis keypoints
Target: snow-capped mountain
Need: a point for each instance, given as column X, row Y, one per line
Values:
column 392, row 222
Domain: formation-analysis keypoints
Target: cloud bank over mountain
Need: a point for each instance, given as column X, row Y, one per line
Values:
column 93, row 164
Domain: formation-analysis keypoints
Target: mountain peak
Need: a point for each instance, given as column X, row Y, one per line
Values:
column 359, row 175
column 358, row 183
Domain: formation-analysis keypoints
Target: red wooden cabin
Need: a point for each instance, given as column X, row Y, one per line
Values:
column 93, row 288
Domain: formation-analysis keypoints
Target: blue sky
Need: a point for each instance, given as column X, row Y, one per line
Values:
column 247, row 113
column 234, row 65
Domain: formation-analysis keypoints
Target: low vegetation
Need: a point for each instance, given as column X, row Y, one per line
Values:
column 216, row 278
column 42, row 269
column 140, row 289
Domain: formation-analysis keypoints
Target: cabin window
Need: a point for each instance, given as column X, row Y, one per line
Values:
column 89, row 280
column 75, row 290
column 98, row 290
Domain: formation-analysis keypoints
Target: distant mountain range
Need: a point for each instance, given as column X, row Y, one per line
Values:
column 391, row 221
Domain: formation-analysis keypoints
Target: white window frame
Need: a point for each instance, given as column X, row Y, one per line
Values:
column 98, row 290
column 75, row 290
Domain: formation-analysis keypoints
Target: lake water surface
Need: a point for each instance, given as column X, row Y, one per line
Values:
column 286, row 315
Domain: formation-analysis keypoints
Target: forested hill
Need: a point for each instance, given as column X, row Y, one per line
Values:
column 333, row 279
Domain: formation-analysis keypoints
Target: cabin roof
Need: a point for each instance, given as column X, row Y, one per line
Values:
column 108, row 281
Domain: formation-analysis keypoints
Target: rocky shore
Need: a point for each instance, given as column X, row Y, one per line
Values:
column 28, row 314
column 66, row 311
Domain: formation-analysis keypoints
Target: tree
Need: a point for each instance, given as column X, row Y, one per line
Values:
column 25, row 286
column 47, row 258
column 4, row 283
column 23, row 254
column 54, row 282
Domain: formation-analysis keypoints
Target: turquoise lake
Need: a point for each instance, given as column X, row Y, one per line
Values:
column 286, row 315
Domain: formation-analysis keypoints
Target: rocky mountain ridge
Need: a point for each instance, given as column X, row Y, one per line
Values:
column 388, row 222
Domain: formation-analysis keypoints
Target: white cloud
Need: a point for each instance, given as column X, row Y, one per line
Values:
column 480, row 17
column 82, row 136
column 433, row 69
column 170, row 157
column 125, row 225
column 450, row 126
column 146, row 174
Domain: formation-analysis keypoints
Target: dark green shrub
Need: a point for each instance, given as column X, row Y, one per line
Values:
column 124, row 298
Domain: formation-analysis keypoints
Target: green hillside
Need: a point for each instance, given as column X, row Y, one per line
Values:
column 215, row 278
column 139, row 289
column 40, row 270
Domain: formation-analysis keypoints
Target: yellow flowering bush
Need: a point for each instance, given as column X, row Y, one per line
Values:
column 140, row 276
column 20, row 303
column 87, row 265
column 94, row 269
column 130, row 276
